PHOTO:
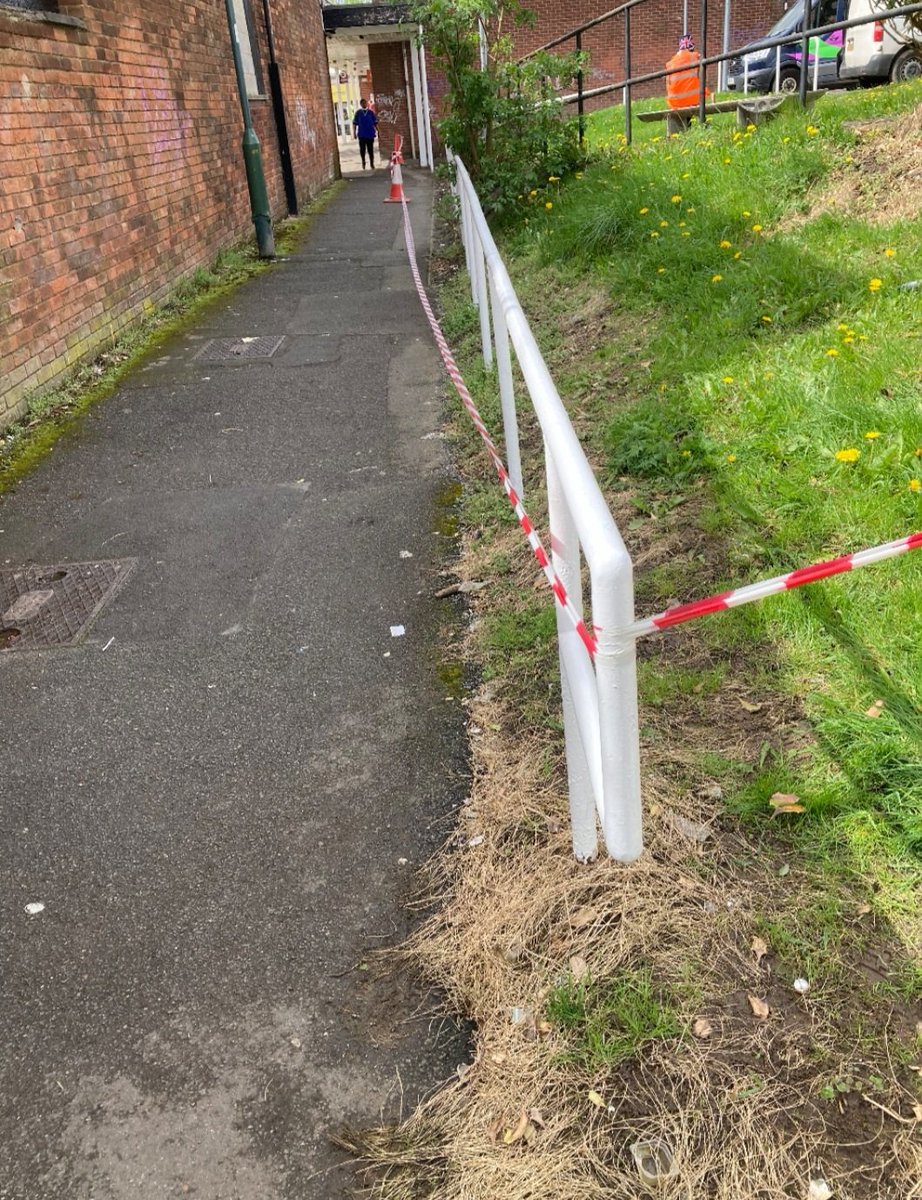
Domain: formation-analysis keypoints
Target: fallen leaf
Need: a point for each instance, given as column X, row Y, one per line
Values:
column 498, row 1058
column 863, row 909
column 917, row 1111
column 552, row 825
column 759, row 948
column 784, row 802
column 702, row 1028
column 596, row 1099
column 511, row 1136
column 579, row 968
column 536, row 1118
column 493, row 1129
column 876, row 709
column 759, row 1007
column 583, row 917
column 783, row 870
column 749, row 706
column 545, row 1029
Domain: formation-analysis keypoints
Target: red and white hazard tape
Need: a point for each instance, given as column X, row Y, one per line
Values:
column 544, row 561
column 769, row 587
column 681, row 612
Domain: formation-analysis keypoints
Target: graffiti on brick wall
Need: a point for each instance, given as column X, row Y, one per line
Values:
column 391, row 109
column 305, row 131
column 168, row 123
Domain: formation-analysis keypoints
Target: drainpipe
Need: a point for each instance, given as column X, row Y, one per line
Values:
column 281, row 125
column 252, row 158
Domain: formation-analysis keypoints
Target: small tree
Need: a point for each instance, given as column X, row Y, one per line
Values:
column 913, row 28
column 501, row 115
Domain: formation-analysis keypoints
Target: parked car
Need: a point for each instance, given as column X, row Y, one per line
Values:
column 878, row 52
column 757, row 68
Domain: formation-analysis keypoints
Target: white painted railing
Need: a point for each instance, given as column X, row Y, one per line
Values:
column 600, row 688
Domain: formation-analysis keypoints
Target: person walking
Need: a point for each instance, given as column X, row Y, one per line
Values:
column 365, row 125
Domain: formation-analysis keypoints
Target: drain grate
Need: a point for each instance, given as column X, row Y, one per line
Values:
column 239, row 349
column 41, row 607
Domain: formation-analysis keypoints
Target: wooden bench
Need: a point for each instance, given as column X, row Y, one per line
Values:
column 750, row 110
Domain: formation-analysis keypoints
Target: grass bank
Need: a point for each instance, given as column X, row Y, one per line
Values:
column 726, row 316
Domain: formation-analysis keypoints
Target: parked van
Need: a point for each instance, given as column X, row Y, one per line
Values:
column 757, row 68
column 879, row 51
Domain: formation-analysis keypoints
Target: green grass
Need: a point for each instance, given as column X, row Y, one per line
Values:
column 768, row 352
column 606, row 1022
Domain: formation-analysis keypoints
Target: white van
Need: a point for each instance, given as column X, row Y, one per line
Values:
column 880, row 50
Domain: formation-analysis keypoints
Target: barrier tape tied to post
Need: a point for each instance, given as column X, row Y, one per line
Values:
column 557, row 586
column 681, row 612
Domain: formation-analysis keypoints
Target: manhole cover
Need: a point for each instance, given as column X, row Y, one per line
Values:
column 239, row 349
column 55, row 606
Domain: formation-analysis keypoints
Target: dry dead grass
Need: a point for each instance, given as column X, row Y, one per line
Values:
column 883, row 182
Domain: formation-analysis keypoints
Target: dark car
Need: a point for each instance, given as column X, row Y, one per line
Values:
column 765, row 70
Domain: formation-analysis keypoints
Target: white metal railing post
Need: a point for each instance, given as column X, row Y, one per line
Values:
column 777, row 68
column 619, row 725
column 506, row 392
column 745, row 77
column 565, row 557
column 483, row 302
column 816, row 63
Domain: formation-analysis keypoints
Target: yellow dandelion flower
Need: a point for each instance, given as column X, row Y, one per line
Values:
column 731, row 458
column 686, row 453
column 532, row 193
column 832, row 352
column 687, row 174
column 727, row 161
column 874, row 285
column 661, row 270
column 716, row 278
column 872, row 435
column 848, row 341
column 549, row 205
column 848, row 455
column 767, row 320
column 728, row 378
column 812, row 130
column 685, row 233
column 664, row 224
column 682, row 224
column 654, row 233
column 644, row 211
column 746, row 213
column 915, row 485
column 842, row 328
column 725, row 245
column 689, row 209
column 888, row 253
column 677, row 199
column 738, row 254
column 757, row 229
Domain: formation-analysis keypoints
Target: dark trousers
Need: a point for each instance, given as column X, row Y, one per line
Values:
column 367, row 145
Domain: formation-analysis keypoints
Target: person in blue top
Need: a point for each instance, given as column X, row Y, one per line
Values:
column 364, row 125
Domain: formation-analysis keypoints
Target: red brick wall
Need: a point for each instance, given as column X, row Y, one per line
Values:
column 122, row 168
column 656, row 27
column 393, row 98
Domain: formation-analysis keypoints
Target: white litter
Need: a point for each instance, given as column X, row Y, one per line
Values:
column 406, row 553
column 35, row 908
column 397, row 631
column 402, row 862
column 819, row 1189
column 802, row 986
column 476, row 840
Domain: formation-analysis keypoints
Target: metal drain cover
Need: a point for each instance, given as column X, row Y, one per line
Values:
column 239, row 349
column 42, row 607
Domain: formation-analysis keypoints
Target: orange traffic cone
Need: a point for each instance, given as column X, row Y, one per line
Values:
column 397, row 196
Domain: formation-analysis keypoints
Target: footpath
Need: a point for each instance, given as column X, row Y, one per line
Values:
column 219, row 796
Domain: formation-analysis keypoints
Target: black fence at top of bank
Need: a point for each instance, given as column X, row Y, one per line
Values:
column 625, row 85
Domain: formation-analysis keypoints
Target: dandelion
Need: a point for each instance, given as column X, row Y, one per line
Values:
column 716, row 278
column 725, row 245
column 850, row 454
column 757, row 229
column 553, row 179
column 832, row 352
column 874, row 285
column 746, row 213
column 654, row 233
column 532, row 193
column 888, row 253
column 644, row 211
column 785, row 140
column 676, row 199
column 848, row 341
column 738, row 254
column 812, row 130
column 549, row 205
column 918, row 452
column 685, row 233
column 727, row 162
column 661, row 270
column 842, row 328
column 579, row 174
column 686, row 453
column 731, row 458
column 872, row 434
column 689, row 209
column 767, row 320
column 682, row 224
column 687, row 174
column 915, row 485
column 664, row 224
column 728, row 378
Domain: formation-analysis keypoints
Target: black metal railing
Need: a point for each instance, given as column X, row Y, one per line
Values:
column 630, row 81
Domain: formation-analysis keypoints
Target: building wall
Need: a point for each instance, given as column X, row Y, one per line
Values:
column 393, row 95
column 120, row 139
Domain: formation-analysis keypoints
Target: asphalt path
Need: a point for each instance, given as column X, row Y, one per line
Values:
column 221, row 794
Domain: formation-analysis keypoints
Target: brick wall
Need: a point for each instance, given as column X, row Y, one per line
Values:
column 393, row 96
column 122, row 168
column 656, row 27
